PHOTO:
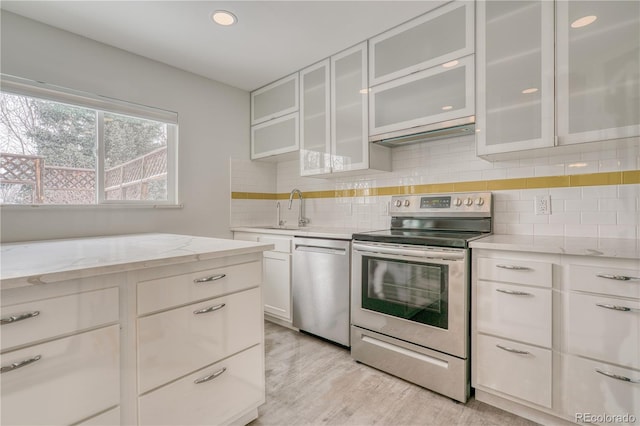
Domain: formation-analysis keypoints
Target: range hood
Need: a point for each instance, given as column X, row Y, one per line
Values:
column 442, row 130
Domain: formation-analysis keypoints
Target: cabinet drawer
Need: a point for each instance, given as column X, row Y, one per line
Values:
column 282, row 244
column 237, row 385
column 515, row 312
column 612, row 281
column 75, row 378
column 179, row 341
column 524, row 375
column 516, row 271
column 601, row 328
column 588, row 391
column 57, row 316
column 156, row 295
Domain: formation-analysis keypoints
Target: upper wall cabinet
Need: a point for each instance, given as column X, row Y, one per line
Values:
column 275, row 100
column 274, row 118
column 439, row 36
column 515, row 76
column 598, row 72
column 334, row 124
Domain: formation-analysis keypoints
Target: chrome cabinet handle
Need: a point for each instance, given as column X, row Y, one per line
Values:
column 514, row 267
column 616, row 307
column 210, row 376
column 209, row 309
column 16, row 318
column 20, row 364
column 210, row 278
column 513, row 292
column 617, row 377
column 617, row 277
column 515, row 351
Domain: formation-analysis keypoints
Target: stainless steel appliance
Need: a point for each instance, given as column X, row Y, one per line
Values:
column 321, row 287
column 411, row 286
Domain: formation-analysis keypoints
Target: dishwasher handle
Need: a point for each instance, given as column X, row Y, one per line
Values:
column 320, row 249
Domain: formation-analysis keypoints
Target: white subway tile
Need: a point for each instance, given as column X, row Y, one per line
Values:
column 565, row 193
column 628, row 218
column 598, row 218
column 589, row 204
column 565, row 218
column 617, row 231
column 520, row 206
column 519, row 229
column 590, row 231
column 603, row 191
column 548, row 229
column 549, row 170
column 519, row 172
column 581, row 167
column 533, row 218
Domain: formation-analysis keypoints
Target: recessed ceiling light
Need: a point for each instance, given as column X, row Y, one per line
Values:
column 223, row 17
column 447, row 107
column 530, row 90
column 450, row 64
column 584, row 21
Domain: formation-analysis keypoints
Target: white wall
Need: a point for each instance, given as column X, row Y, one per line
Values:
column 213, row 126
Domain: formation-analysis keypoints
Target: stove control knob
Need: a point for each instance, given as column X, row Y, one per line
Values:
column 406, row 203
column 398, row 203
column 457, row 202
column 479, row 201
column 468, row 202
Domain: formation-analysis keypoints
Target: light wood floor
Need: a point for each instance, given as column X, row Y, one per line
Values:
column 313, row 382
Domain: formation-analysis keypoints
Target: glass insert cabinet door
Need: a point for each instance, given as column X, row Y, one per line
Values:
column 515, row 76
column 598, row 57
column 315, row 125
column 408, row 290
column 275, row 100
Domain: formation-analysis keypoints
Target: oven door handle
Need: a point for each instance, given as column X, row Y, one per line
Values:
column 434, row 254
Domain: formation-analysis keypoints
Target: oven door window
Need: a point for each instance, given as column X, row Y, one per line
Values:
column 410, row 290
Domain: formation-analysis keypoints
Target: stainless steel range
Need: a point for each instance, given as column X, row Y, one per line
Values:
column 411, row 287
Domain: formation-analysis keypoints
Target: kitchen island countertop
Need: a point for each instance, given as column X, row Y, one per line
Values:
column 580, row 246
column 42, row 262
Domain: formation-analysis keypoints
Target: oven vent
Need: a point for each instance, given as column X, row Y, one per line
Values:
column 437, row 131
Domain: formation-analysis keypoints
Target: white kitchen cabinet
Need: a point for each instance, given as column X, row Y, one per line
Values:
column 440, row 94
column 62, row 381
column 315, row 119
column 275, row 118
column 439, row 36
column 276, row 288
column 515, row 76
column 274, row 137
column 275, row 100
column 334, row 117
column 512, row 325
column 598, row 80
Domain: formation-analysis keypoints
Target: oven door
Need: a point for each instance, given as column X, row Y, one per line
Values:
column 415, row 293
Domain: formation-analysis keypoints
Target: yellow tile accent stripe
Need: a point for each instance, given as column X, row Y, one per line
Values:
column 591, row 179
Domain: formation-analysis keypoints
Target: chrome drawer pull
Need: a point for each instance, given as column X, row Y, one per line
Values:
column 617, row 377
column 514, row 267
column 209, row 309
column 210, row 376
column 19, row 364
column 616, row 307
column 513, row 292
column 210, row 278
column 515, row 351
column 16, row 318
column 617, row 277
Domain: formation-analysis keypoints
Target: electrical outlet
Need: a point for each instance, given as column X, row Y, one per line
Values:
column 543, row 205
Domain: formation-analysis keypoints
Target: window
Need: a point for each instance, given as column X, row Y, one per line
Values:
column 63, row 147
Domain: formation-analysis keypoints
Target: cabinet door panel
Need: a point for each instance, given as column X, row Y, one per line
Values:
column 439, row 36
column 75, row 378
column 515, row 66
column 274, row 100
column 277, row 136
column 179, row 341
column 349, row 141
column 277, row 284
column 598, row 63
column 430, row 96
column 315, row 128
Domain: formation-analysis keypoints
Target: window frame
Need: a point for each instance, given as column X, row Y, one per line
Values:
column 101, row 105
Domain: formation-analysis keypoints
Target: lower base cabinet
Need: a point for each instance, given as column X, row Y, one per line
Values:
column 218, row 394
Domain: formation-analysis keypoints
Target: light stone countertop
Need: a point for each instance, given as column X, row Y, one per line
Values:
column 581, row 246
column 41, row 262
column 306, row 231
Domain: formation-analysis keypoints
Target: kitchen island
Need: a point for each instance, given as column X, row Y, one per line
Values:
column 133, row 329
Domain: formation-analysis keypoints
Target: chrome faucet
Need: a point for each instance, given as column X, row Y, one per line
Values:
column 301, row 219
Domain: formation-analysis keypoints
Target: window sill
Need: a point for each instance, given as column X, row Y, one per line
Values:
column 110, row 206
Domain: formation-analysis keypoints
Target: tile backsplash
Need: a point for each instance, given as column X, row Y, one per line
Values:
column 608, row 211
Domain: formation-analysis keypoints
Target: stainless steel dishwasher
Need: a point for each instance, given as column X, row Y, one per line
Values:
column 321, row 287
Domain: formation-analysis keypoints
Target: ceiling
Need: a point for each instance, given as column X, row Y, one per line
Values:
column 270, row 40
